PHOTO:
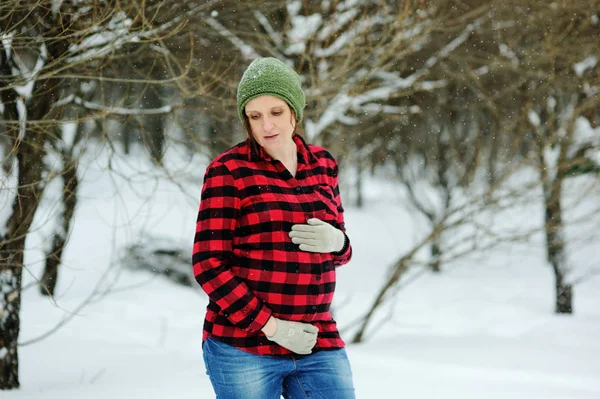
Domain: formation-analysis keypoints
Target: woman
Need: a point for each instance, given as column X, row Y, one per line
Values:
column 269, row 235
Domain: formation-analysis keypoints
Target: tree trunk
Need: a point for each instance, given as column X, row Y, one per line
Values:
column 10, row 278
column 69, row 199
column 29, row 143
column 126, row 136
column 11, row 251
column 555, row 245
column 153, row 126
column 399, row 269
column 359, row 181
column 564, row 298
column 436, row 252
column 30, row 156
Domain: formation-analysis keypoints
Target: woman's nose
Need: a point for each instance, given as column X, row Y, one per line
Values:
column 268, row 124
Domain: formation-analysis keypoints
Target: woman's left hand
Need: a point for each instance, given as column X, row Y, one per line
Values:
column 317, row 236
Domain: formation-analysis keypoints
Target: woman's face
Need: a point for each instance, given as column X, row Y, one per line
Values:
column 271, row 121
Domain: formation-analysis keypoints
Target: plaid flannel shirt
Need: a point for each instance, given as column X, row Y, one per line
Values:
column 243, row 257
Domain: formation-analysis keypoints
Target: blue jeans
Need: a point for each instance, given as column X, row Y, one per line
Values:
column 236, row 374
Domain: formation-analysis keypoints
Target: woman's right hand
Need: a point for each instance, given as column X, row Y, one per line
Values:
column 298, row 337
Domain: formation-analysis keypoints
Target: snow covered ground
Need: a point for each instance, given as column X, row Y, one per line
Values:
column 483, row 328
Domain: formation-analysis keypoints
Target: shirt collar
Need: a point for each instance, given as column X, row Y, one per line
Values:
column 305, row 155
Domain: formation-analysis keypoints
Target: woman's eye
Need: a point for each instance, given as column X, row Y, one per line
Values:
column 277, row 113
column 254, row 117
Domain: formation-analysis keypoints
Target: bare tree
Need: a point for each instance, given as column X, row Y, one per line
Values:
column 67, row 149
column 49, row 48
column 438, row 155
column 472, row 237
column 29, row 147
column 555, row 62
column 69, row 63
column 515, row 63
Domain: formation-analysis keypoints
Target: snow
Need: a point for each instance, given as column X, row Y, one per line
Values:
column 348, row 4
column 589, row 62
column 22, row 112
column 551, row 156
column 247, row 51
column 432, row 85
column 337, row 107
column 391, row 109
column 29, row 76
column 348, row 36
column 105, row 38
column 589, row 90
column 7, row 41
column 56, row 6
column 508, row 53
column 69, row 129
column 551, row 103
column 303, row 27
column 391, row 83
column 534, row 118
column 341, row 19
column 482, row 328
column 71, row 98
column 586, row 135
column 116, row 33
column 273, row 34
column 454, row 44
column 8, row 192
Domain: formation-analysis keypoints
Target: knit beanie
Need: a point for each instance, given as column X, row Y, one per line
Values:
column 270, row 77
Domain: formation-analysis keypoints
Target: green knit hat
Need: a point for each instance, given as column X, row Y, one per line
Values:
column 270, row 77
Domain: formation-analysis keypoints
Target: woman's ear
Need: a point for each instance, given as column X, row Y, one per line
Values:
column 293, row 120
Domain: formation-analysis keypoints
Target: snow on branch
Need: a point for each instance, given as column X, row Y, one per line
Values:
column 274, row 35
column 7, row 41
column 585, row 64
column 72, row 99
column 302, row 29
column 29, row 76
column 454, row 44
column 349, row 36
column 247, row 51
column 390, row 86
column 56, row 6
column 106, row 39
column 118, row 32
column 341, row 19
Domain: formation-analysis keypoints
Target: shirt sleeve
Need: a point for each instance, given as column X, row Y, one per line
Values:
column 213, row 253
column 345, row 254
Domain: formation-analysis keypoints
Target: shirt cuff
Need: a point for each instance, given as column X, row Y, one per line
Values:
column 259, row 320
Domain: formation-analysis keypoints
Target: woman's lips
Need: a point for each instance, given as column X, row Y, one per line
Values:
column 271, row 137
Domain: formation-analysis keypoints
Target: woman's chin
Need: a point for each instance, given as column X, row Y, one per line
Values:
column 273, row 143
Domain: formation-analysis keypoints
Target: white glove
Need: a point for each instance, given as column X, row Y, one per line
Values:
column 295, row 336
column 317, row 236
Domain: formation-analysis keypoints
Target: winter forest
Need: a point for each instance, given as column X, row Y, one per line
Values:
column 468, row 139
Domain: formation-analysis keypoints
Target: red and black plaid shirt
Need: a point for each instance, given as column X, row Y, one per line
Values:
column 243, row 257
